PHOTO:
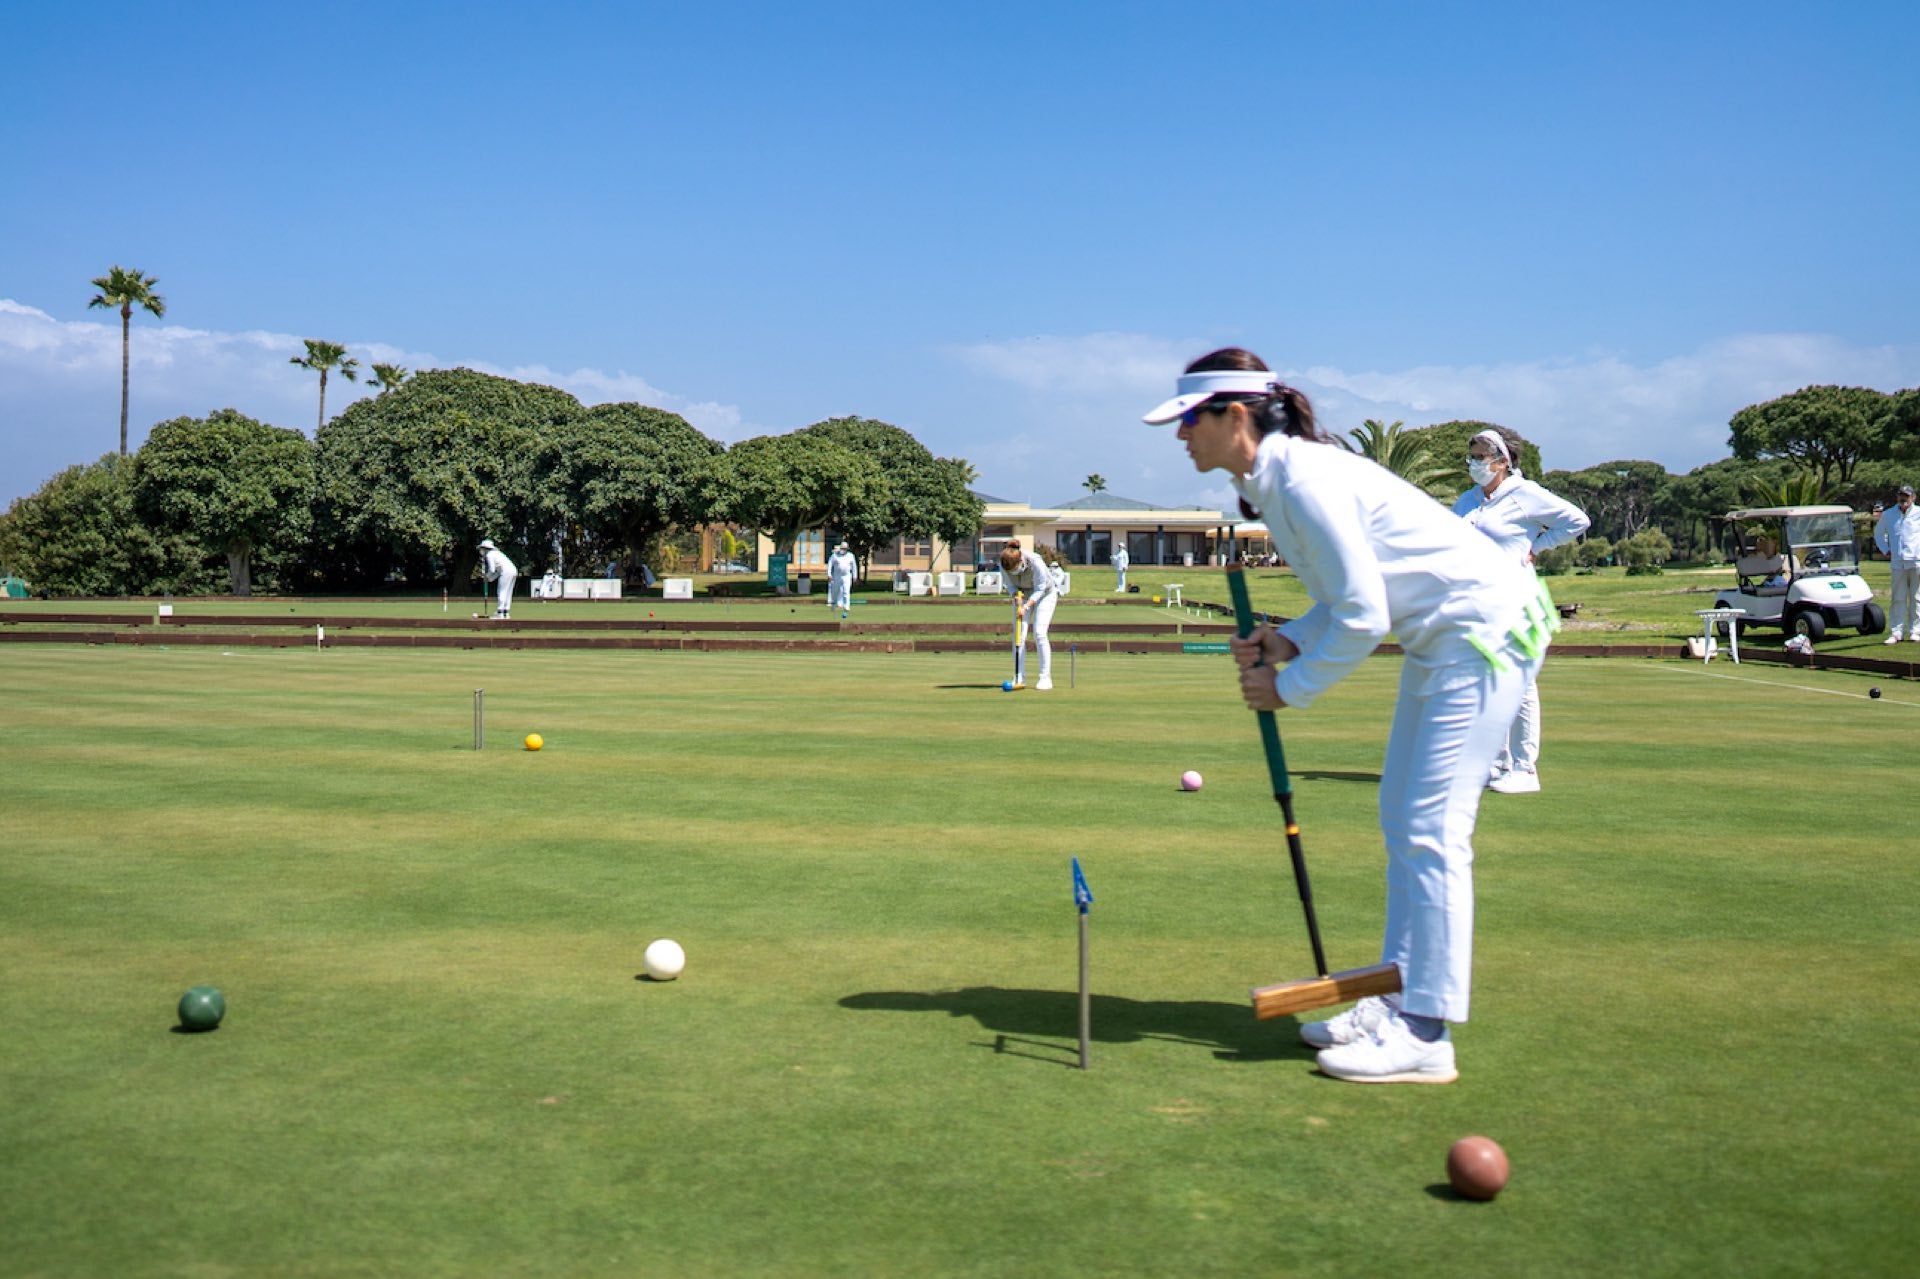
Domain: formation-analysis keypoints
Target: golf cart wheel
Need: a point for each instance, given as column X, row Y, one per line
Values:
column 1872, row 619
column 1810, row 624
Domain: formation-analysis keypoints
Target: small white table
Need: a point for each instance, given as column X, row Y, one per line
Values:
column 1173, row 594
column 1731, row 616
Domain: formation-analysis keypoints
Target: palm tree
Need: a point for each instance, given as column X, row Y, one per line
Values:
column 387, row 376
column 1094, row 484
column 127, row 289
column 323, row 356
column 1800, row 488
column 1405, row 455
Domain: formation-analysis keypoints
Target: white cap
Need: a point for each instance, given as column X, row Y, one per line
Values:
column 1194, row 388
column 486, row 544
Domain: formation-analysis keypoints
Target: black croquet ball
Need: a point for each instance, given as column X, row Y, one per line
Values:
column 1874, row 692
column 202, row 1008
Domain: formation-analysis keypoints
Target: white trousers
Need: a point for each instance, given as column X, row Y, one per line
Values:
column 1447, row 727
column 503, row 593
column 1522, row 748
column 1039, row 617
column 1904, row 616
column 840, row 593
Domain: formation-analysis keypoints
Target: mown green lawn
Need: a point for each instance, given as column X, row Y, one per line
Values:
column 1695, row 1019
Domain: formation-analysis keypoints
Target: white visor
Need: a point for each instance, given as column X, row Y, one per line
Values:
column 1194, row 388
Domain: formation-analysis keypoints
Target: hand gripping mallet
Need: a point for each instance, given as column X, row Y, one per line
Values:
column 1326, row 989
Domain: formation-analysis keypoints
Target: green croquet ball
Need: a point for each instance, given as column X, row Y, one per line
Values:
column 202, row 1008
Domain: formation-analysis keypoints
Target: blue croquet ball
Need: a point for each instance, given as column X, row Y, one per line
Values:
column 202, row 1008
column 1006, row 686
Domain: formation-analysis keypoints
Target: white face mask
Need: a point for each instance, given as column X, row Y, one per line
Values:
column 1482, row 472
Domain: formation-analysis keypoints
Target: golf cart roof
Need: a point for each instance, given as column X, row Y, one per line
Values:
column 1782, row 512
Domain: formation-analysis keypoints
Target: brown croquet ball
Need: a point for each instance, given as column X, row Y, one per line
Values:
column 1477, row 1167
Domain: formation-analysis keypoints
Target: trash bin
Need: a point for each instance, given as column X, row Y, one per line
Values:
column 1186, row 559
column 806, row 584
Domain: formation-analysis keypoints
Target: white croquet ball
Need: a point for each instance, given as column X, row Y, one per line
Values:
column 1190, row 780
column 664, row 960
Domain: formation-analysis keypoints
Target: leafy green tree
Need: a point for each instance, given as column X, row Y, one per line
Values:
column 410, row 481
column 386, row 377
column 912, row 492
column 1094, row 484
column 781, row 485
column 1799, row 488
column 1619, row 497
column 1593, row 552
column 1830, row 429
column 122, row 289
column 1405, row 453
column 623, row 473
column 79, row 534
column 321, row 357
column 228, row 483
column 1647, row 549
column 1690, row 506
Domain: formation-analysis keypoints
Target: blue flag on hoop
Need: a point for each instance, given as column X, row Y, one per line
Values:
column 1082, row 895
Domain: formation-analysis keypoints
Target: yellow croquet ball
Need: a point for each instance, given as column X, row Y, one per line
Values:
column 535, row 741
column 1156, row 599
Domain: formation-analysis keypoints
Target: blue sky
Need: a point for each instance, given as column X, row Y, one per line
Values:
column 1001, row 226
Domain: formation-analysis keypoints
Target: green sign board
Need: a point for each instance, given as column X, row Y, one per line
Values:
column 1205, row 648
column 777, row 571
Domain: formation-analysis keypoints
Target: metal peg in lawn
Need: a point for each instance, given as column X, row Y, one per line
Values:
column 1325, row 989
column 479, row 717
column 1083, row 898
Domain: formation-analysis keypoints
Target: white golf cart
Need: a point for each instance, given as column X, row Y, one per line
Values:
column 1811, row 582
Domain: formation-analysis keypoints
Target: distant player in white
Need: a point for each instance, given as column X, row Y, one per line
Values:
column 1523, row 519
column 496, row 567
column 1026, row 573
column 842, row 568
column 1377, row 555
column 1898, row 537
column 1120, row 562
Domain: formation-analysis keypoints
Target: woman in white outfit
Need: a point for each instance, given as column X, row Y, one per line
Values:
column 495, row 566
column 1377, row 555
column 1026, row 574
column 1523, row 519
column 842, row 567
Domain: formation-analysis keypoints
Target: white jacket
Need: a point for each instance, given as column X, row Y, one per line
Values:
column 1898, row 535
column 1120, row 558
column 1521, row 517
column 1377, row 555
column 493, row 564
column 1031, row 577
column 842, row 565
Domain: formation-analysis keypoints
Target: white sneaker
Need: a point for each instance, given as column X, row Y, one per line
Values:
column 1393, row 1054
column 1494, row 777
column 1893, row 637
column 1358, row 1022
column 1045, row 682
column 1521, row 781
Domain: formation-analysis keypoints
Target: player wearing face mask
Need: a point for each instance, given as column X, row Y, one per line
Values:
column 1522, row 518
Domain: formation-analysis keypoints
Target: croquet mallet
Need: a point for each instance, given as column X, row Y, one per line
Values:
column 1327, row 988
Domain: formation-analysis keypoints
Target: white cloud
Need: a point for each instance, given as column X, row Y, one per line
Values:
column 60, row 386
column 1580, row 410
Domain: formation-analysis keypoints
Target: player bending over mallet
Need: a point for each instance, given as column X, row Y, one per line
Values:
column 1377, row 555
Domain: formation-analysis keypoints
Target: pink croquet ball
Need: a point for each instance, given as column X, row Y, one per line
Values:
column 1190, row 780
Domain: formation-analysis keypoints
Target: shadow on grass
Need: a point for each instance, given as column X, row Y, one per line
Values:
column 1014, row 1015
column 981, row 687
column 1323, row 775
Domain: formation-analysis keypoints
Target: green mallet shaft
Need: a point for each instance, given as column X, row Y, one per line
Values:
column 1277, row 768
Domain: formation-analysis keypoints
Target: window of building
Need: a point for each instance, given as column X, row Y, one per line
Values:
column 809, row 549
